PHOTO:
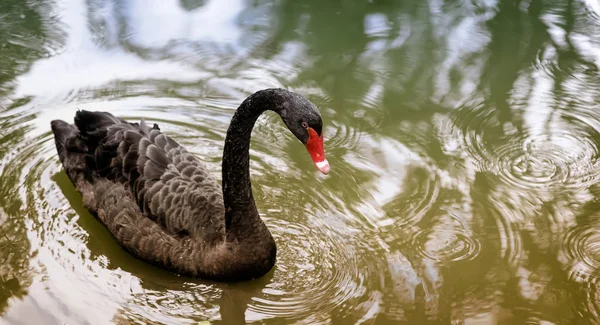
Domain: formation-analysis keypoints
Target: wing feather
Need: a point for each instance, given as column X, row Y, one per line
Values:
column 170, row 186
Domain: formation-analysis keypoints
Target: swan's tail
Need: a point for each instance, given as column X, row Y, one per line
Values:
column 76, row 143
column 65, row 135
column 73, row 154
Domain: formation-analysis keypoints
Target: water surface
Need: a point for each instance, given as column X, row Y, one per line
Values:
column 463, row 136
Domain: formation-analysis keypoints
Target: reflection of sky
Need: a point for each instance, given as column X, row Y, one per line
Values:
column 84, row 62
column 156, row 23
column 594, row 7
column 387, row 159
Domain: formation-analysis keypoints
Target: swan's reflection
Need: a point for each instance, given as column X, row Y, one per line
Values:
column 147, row 292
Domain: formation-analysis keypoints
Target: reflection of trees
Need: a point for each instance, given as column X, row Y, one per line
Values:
column 348, row 66
column 14, row 254
column 21, row 38
column 22, row 41
column 14, row 245
column 516, row 39
column 334, row 35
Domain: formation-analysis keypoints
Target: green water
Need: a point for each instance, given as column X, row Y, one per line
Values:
column 464, row 140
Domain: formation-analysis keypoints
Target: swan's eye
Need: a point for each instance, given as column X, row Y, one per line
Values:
column 305, row 125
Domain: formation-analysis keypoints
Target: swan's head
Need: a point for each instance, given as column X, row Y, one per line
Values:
column 304, row 120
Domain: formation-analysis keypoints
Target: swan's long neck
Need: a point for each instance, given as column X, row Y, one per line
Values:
column 241, row 214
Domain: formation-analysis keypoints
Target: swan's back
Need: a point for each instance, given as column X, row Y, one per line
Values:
column 156, row 198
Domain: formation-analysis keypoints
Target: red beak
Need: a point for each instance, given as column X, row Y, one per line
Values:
column 314, row 145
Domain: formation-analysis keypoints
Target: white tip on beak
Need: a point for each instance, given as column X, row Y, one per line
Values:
column 323, row 166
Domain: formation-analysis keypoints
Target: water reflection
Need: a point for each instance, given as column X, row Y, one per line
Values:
column 15, row 269
column 464, row 137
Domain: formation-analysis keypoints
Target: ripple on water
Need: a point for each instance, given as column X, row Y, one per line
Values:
column 447, row 247
column 401, row 188
column 537, row 320
column 582, row 249
column 562, row 154
column 586, row 301
column 316, row 272
column 592, row 299
column 580, row 255
column 446, row 241
column 421, row 194
column 343, row 136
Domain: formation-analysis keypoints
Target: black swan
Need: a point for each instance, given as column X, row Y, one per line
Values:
column 161, row 204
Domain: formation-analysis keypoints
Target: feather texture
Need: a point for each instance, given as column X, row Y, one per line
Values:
column 155, row 197
column 159, row 172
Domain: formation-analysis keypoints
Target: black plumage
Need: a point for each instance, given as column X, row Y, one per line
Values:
column 161, row 204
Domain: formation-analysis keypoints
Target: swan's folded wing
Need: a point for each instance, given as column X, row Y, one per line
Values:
column 138, row 234
column 171, row 186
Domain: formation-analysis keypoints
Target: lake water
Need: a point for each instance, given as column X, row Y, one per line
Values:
column 464, row 140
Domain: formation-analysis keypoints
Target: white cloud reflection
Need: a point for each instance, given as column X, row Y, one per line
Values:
column 86, row 62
